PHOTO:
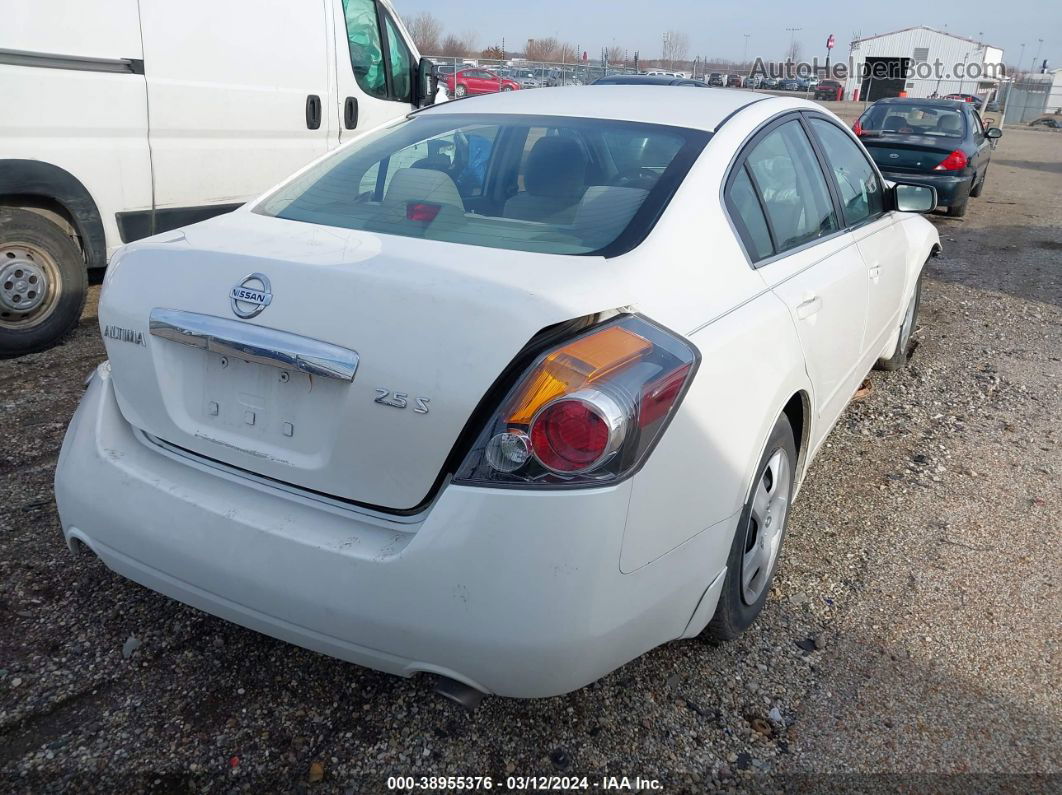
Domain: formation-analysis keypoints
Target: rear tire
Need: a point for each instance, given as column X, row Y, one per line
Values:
column 43, row 282
column 958, row 210
column 757, row 543
column 910, row 322
column 460, row 91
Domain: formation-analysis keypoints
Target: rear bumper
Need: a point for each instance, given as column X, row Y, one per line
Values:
column 951, row 189
column 515, row 593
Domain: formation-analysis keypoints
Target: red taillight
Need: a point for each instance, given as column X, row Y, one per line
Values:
column 857, row 128
column 587, row 410
column 953, row 162
column 658, row 397
column 572, row 435
column 421, row 211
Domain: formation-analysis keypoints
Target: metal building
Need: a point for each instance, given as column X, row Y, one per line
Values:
column 922, row 62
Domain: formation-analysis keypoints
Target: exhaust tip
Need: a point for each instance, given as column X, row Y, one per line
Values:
column 465, row 695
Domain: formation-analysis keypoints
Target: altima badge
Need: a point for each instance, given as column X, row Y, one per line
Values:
column 251, row 296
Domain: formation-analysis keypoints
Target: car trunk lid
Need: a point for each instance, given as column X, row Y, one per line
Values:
column 367, row 357
column 909, row 153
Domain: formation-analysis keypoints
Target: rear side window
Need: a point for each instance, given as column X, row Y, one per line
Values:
column 556, row 185
column 745, row 207
column 791, row 185
column 856, row 180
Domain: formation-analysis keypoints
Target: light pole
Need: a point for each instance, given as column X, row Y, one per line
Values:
column 1021, row 59
column 792, row 44
column 1039, row 45
column 745, row 57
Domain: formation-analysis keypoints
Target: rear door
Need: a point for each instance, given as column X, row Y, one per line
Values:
column 230, row 90
column 881, row 243
column 780, row 202
column 375, row 65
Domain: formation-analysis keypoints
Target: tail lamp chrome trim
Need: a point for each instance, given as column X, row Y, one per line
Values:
column 266, row 346
column 604, row 406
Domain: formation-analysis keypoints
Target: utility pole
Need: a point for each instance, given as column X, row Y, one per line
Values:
column 1021, row 59
column 745, row 56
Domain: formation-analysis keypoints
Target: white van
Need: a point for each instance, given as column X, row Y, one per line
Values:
column 124, row 118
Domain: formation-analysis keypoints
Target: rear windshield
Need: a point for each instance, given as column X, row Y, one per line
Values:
column 557, row 185
column 914, row 120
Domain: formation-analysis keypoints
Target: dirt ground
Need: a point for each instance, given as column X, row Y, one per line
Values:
column 911, row 639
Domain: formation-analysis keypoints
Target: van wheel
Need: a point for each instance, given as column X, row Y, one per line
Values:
column 43, row 282
column 910, row 319
column 757, row 543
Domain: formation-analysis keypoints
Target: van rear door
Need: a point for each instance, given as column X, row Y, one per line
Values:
column 375, row 65
column 231, row 90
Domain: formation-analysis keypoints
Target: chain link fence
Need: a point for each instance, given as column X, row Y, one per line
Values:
column 1025, row 100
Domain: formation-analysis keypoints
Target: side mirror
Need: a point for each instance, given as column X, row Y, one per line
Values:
column 993, row 132
column 908, row 198
column 427, row 85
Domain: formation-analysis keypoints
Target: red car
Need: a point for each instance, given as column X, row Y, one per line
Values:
column 478, row 81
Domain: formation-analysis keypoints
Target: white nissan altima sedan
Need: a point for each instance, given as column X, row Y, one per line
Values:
column 509, row 391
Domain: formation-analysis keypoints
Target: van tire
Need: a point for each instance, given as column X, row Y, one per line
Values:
column 51, row 258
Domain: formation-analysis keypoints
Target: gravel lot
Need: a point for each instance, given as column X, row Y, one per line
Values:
column 911, row 639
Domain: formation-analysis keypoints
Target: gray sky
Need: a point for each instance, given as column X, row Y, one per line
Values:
column 718, row 28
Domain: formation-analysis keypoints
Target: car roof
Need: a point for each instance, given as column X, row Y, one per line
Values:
column 650, row 80
column 673, row 105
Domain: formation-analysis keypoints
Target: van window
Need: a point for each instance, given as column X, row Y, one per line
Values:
column 366, row 50
column 401, row 64
column 792, row 187
column 366, row 43
column 526, row 183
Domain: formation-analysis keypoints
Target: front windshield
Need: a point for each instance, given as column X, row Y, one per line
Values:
column 897, row 119
column 532, row 183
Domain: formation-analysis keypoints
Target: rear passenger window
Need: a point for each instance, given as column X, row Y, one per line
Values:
column 861, row 193
column 793, row 189
column 751, row 224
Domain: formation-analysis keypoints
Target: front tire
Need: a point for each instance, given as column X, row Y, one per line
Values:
column 910, row 321
column 43, row 282
column 980, row 186
column 757, row 544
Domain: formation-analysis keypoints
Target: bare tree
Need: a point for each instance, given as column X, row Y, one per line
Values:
column 544, row 49
column 794, row 52
column 454, row 46
column 615, row 54
column 676, row 46
column 567, row 53
column 494, row 53
column 426, row 31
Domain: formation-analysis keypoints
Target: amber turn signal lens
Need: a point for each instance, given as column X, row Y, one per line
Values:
column 575, row 366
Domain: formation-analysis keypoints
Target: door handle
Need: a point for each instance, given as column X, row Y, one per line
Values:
column 350, row 113
column 313, row 112
column 808, row 307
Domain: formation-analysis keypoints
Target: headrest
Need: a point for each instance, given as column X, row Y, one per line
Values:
column 556, row 167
